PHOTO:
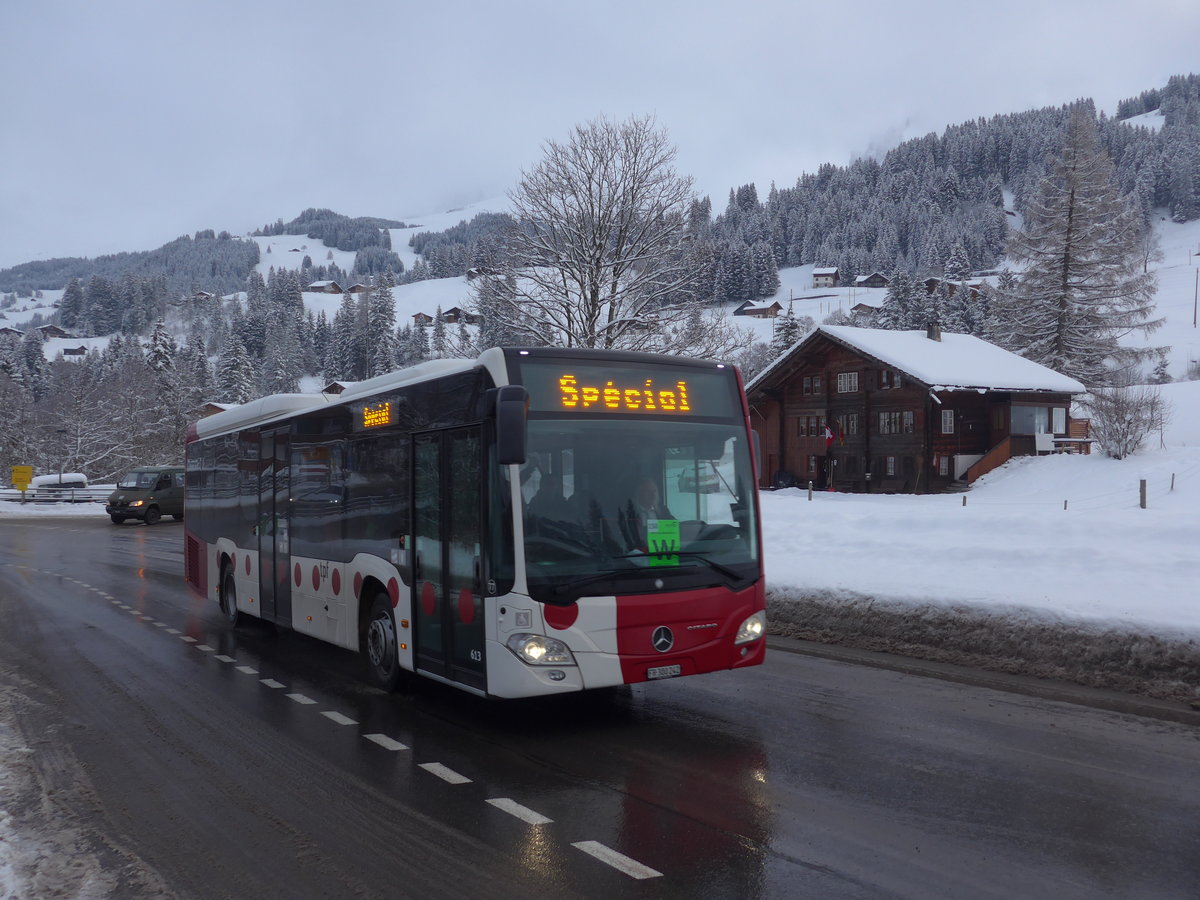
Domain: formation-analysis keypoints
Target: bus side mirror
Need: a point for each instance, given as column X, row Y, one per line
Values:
column 512, row 403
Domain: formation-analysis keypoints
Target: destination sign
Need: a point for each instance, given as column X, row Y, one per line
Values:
column 663, row 391
column 377, row 414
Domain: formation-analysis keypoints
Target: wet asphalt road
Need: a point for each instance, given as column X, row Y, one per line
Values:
column 260, row 764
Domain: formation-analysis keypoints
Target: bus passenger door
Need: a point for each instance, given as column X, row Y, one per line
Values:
column 275, row 584
column 447, row 505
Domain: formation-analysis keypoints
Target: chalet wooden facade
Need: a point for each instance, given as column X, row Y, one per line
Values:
column 863, row 409
column 874, row 280
column 825, row 276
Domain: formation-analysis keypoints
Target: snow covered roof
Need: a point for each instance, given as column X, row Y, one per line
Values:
column 825, row 270
column 956, row 362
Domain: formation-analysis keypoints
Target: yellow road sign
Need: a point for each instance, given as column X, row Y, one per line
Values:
column 21, row 476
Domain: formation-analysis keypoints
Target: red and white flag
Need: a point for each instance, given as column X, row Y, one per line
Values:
column 828, row 438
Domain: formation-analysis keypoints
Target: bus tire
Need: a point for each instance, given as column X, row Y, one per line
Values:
column 153, row 515
column 228, row 597
column 383, row 660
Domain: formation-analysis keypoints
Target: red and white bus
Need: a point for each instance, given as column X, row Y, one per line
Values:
column 533, row 521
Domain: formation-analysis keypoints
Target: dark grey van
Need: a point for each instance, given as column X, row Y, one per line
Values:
column 147, row 493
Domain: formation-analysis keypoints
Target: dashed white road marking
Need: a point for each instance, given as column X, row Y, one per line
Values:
column 247, row 670
column 172, row 631
column 385, row 742
column 188, row 638
column 447, row 775
column 301, row 699
column 524, row 813
column 339, row 718
column 160, row 624
column 272, row 683
column 225, row 659
column 619, row 861
column 206, row 648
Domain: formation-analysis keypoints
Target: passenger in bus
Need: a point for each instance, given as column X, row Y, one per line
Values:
column 642, row 507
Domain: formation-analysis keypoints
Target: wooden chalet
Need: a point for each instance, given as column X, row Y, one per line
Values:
column 81, row 350
column 874, row 280
column 421, row 318
column 357, row 288
column 15, row 332
column 53, row 331
column 337, row 387
column 864, row 409
column 759, row 311
column 456, row 314
column 324, row 287
column 825, row 277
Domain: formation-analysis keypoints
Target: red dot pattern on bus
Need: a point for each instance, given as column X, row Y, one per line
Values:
column 466, row 606
column 316, row 578
column 298, row 575
column 247, row 563
column 358, row 585
column 428, row 598
column 337, row 582
column 561, row 617
column 394, row 591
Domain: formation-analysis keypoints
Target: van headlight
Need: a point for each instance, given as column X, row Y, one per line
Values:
column 138, row 503
column 539, row 650
column 752, row 629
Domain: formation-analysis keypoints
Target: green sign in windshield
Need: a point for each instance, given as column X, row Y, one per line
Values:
column 662, row 541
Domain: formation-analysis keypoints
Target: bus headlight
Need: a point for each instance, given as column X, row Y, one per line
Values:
column 539, row 650
column 752, row 629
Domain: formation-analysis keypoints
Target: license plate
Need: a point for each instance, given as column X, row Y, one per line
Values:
column 663, row 672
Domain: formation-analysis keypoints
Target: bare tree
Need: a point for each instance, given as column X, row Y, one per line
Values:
column 1084, row 251
column 1123, row 415
column 599, row 254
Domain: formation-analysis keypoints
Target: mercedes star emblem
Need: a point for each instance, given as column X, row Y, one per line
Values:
column 662, row 639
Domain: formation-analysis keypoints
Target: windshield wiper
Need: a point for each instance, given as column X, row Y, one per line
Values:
column 695, row 554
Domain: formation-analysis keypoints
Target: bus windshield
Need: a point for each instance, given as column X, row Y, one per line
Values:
column 619, row 505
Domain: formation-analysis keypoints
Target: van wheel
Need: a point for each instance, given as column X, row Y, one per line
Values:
column 117, row 520
column 153, row 516
column 382, row 659
column 228, row 597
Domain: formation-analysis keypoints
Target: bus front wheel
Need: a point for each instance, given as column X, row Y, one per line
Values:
column 383, row 660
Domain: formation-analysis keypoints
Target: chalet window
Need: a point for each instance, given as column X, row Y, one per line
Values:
column 1030, row 419
column 800, row 430
column 943, row 465
column 891, row 465
column 852, row 423
column 807, row 385
column 947, row 422
column 1060, row 420
column 885, row 379
column 812, row 464
column 907, row 421
column 889, row 423
column 847, row 382
column 895, row 379
column 816, row 384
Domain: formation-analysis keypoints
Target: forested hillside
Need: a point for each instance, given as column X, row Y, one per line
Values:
column 940, row 205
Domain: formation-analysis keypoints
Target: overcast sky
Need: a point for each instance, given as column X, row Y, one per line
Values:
column 126, row 123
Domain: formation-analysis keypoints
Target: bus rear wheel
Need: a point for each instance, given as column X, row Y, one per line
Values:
column 228, row 596
column 383, row 659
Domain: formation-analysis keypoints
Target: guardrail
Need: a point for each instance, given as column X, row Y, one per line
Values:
column 70, row 495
